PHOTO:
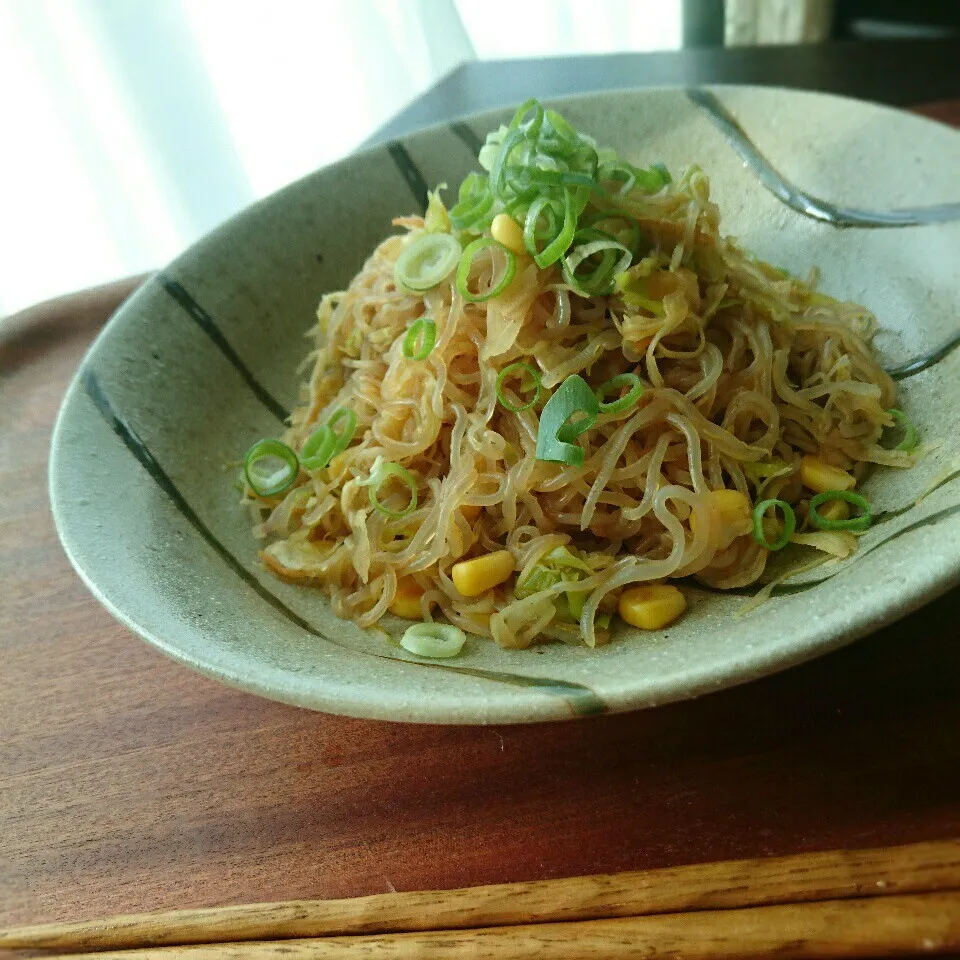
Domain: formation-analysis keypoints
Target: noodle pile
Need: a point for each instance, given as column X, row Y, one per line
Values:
column 745, row 370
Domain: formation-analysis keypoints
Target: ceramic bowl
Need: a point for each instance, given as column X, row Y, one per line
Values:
column 203, row 359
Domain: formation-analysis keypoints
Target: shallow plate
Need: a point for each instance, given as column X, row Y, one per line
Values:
column 203, row 359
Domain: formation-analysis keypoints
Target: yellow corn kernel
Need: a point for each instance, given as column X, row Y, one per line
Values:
column 652, row 607
column 406, row 601
column 834, row 510
column 473, row 577
column 470, row 511
column 506, row 230
column 733, row 509
column 820, row 476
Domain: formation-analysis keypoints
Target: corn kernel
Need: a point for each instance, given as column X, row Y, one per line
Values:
column 473, row 577
column 470, row 511
column 834, row 510
column 406, row 601
column 732, row 509
column 506, row 230
column 820, row 476
column 652, row 607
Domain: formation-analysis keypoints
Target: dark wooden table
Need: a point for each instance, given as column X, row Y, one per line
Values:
column 129, row 783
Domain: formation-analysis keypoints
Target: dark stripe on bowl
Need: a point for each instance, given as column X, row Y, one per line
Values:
column 411, row 173
column 472, row 140
column 799, row 200
column 206, row 323
column 911, row 368
column 581, row 700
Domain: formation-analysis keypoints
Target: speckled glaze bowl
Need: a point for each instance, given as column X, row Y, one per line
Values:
column 203, row 360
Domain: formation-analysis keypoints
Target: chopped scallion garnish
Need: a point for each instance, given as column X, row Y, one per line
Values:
column 497, row 284
column 630, row 399
column 270, row 467
column 420, row 339
column 345, row 435
column 789, row 523
column 856, row 524
column 439, row 640
column 518, row 370
column 557, row 429
column 909, row 441
column 319, row 448
column 380, row 473
column 426, row 261
column 615, row 258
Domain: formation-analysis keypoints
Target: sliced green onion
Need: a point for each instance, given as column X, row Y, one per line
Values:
column 556, row 434
column 420, row 339
column 426, row 261
column 498, row 171
column 474, row 201
column 438, row 640
column 466, row 262
column 381, row 472
column 542, row 206
column 560, row 126
column 601, row 217
column 319, row 448
column 345, row 435
column 515, row 369
column 600, row 279
column 789, row 524
column 630, row 399
column 909, row 441
column 531, row 128
column 661, row 168
column 619, row 170
column 858, row 524
column 270, row 467
column 554, row 250
column 654, row 179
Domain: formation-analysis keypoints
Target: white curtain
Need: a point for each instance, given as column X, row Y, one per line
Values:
column 133, row 126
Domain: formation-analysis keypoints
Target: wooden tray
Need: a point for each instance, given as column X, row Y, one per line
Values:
column 129, row 783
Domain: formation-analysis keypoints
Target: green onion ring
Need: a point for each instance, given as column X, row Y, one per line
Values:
column 858, row 524
column 496, row 179
column 510, row 370
column 789, row 524
column 541, row 205
column 633, row 395
column 466, row 261
column 602, row 215
column 661, row 168
column 619, row 171
column 378, row 476
column 599, row 280
column 321, row 445
column 532, row 129
column 423, row 332
column 426, row 261
column 556, row 434
column 264, row 481
column 909, row 441
column 554, row 250
column 345, row 435
column 474, row 200
column 440, row 640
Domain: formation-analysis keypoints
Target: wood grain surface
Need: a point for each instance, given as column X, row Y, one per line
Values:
column 128, row 783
